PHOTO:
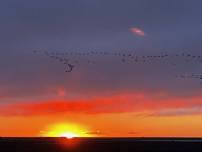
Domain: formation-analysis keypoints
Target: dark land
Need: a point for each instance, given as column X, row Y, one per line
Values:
column 99, row 144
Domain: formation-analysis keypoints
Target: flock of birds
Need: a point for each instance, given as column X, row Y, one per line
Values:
column 66, row 58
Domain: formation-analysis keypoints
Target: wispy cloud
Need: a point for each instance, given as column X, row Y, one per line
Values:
column 137, row 31
column 122, row 103
column 177, row 111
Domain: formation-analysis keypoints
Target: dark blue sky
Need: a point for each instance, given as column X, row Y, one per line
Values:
column 78, row 25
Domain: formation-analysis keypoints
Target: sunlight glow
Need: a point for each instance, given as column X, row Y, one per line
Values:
column 69, row 135
column 65, row 130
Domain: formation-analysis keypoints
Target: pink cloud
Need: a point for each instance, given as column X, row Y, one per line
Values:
column 137, row 31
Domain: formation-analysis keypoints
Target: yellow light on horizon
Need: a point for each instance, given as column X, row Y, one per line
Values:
column 69, row 135
column 65, row 130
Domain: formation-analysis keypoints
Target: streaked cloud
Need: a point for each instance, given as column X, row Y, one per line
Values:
column 124, row 103
column 196, row 110
column 95, row 133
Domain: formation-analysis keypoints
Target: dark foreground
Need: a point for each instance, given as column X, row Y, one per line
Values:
column 99, row 144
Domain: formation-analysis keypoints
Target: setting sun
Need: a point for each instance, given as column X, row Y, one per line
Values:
column 65, row 130
column 69, row 135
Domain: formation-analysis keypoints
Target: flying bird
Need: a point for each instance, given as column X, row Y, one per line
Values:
column 175, row 59
column 70, row 66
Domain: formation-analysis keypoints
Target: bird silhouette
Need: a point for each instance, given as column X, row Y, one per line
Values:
column 70, row 67
column 71, row 59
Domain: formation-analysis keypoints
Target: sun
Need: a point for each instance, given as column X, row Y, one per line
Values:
column 65, row 130
column 69, row 135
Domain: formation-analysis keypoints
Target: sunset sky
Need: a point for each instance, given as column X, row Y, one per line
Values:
column 109, row 98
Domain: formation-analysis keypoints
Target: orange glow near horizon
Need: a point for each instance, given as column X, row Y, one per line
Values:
column 123, row 115
column 109, row 125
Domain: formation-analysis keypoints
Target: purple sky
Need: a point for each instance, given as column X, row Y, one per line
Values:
column 76, row 25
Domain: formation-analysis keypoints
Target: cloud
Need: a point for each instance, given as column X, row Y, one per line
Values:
column 196, row 110
column 97, row 133
column 124, row 103
column 137, row 31
column 133, row 132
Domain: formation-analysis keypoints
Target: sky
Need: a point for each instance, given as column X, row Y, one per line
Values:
column 110, row 98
